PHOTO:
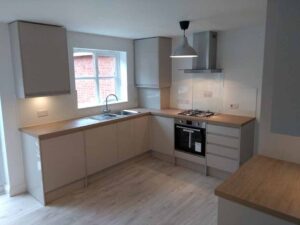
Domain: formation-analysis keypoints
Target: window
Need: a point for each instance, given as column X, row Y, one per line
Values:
column 99, row 73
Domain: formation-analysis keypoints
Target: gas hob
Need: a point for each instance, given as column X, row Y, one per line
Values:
column 197, row 113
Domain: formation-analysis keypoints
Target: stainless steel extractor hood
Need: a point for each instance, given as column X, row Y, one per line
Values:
column 205, row 44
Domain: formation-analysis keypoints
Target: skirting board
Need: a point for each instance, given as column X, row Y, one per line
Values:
column 15, row 190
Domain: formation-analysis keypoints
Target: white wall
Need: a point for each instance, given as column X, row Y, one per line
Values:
column 2, row 173
column 240, row 54
column 11, row 141
column 65, row 106
column 22, row 112
column 281, row 13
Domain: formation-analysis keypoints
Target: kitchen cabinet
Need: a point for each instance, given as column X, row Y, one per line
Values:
column 162, row 135
column 133, row 137
column 141, row 134
column 62, row 160
column 52, row 164
column 228, row 147
column 152, row 62
column 40, row 59
column 101, row 148
column 125, row 137
column 56, row 165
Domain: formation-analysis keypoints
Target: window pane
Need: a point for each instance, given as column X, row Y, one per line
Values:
column 83, row 64
column 106, row 66
column 86, row 93
column 107, row 86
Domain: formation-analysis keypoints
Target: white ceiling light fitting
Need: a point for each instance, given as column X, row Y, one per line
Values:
column 184, row 50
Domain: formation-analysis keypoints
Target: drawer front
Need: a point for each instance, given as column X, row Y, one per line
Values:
column 224, row 141
column 190, row 157
column 227, row 131
column 221, row 163
column 223, row 151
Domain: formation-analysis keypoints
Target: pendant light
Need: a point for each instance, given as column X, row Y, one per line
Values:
column 184, row 50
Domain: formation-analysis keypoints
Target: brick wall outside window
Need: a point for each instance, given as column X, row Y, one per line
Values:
column 86, row 86
column 84, row 66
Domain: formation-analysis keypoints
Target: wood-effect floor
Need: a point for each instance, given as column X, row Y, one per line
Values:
column 144, row 191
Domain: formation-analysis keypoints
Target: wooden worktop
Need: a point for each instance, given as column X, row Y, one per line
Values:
column 268, row 185
column 221, row 119
column 67, row 126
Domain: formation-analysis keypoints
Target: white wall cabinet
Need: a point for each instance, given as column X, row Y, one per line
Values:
column 101, row 148
column 40, row 59
column 152, row 62
column 162, row 135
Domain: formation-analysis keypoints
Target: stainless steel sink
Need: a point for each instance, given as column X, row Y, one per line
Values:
column 126, row 112
column 103, row 117
column 115, row 115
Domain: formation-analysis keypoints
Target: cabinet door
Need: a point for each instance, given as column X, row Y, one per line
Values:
column 152, row 62
column 146, row 62
column 141, row 134
column 62, row 160
column 162, row 135
column 101, row 148
column 40, row 56
column 126, row 147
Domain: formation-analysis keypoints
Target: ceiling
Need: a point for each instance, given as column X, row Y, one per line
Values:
column 136, row 18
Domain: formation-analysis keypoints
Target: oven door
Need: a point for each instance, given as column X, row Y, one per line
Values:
column 190, row 139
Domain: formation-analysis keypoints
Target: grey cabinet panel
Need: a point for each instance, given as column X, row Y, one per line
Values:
column 152, row 62
column 40, row 58
column 282, row 63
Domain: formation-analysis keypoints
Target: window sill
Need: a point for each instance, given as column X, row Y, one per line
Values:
column 102, row 104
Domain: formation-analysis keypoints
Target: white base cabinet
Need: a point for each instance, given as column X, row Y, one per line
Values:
column 126, row 147
column 141, row 134
column 56, row 165
column 162, row 135
column 101, row 148
column 228, row 147
column 62, row 160
column 53, row 163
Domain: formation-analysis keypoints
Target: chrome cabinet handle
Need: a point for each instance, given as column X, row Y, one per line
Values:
column 189, row 131
column 187, row 128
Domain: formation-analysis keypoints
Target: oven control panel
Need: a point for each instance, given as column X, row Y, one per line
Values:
column 191, row 123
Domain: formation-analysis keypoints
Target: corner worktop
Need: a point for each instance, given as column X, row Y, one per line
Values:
column 67, row 126
column 268, row 185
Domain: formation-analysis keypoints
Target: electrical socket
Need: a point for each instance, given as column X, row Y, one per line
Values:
column 234, row 106
column 42, row 113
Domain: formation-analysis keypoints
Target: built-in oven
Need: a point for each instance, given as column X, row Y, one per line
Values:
column 190, row 136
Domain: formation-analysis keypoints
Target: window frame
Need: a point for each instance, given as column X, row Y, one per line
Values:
column 96, row 77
